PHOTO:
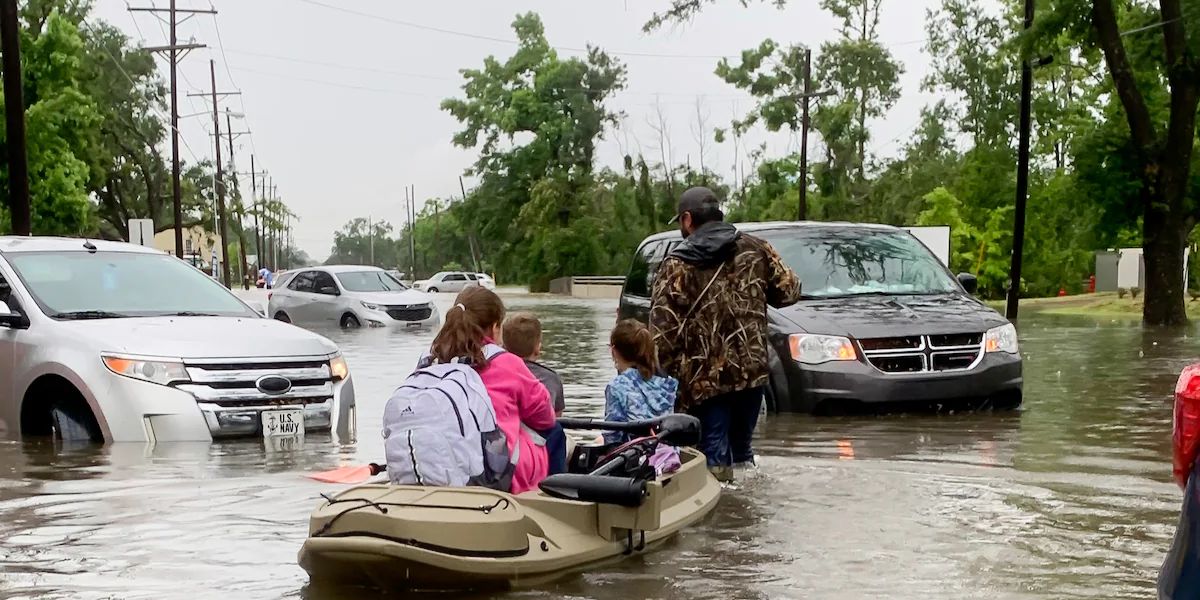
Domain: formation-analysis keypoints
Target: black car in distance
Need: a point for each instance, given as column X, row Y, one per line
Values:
column 882, row 321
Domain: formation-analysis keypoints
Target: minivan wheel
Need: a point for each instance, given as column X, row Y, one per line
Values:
column 282, row 316
column 350, row 322
column 433, row 290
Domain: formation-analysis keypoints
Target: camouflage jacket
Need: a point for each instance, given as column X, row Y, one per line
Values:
column 714, row 341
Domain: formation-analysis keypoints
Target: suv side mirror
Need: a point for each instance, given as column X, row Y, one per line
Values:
column 329, row 290
column 969, row 282
column 11, row 318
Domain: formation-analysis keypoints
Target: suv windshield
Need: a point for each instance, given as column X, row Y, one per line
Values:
column 103, row 285
column 370, row 281
column 852, row 261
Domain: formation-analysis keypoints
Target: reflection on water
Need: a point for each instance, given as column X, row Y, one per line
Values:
column 1071, row 497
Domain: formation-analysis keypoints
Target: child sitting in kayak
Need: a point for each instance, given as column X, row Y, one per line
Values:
column 522, row 335
column 639, row 391
column 521, row 402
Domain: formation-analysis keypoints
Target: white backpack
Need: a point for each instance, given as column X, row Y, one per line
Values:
column 439, row 429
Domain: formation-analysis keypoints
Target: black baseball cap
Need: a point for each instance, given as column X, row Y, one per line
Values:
column 695, row 199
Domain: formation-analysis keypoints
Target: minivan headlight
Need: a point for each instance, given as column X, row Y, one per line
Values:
column 812, row 349
column 1001, row 339
column 338, row 369
column 155, row 371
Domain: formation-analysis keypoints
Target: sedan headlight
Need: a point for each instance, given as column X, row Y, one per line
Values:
column 812, row 349
column 1001, row 339
column 338, row 369
column 155, row 371
column 369, row 306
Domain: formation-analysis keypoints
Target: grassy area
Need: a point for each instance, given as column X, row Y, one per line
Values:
column 1100, row 305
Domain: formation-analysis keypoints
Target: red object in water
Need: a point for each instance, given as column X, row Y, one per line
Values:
column 1186, row 429
column 1092, row 284
column 1062, row 291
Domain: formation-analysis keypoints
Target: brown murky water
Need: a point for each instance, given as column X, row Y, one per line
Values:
column 1068, row 498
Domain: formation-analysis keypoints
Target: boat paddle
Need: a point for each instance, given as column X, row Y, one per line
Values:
column 349, row 474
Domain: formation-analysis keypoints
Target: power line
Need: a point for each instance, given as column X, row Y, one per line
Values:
column 508, row 41
column 229, row 71
column 336, row 84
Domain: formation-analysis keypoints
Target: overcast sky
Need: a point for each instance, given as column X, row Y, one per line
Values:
column 342, row 97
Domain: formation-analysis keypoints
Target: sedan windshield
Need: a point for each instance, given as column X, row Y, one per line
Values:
column 857, row 261
column 370, row 281
column 108, row 285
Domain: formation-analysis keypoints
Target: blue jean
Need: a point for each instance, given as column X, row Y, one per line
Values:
column 556, row 448
column 727, row 425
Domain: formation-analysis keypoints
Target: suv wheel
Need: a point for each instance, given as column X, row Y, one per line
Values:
column 433, row 290
column 282, row 316
column 350, row 322
column 71, row 423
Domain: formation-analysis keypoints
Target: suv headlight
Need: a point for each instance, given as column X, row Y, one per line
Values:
column 338, row 369
column 369, row 306
column 155, row 371
column 1001, row 339
column 812, row 349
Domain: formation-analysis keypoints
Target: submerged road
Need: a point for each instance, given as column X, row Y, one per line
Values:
column 1069, row 498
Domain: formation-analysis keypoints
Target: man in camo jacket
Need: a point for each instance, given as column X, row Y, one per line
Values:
column 709, row 318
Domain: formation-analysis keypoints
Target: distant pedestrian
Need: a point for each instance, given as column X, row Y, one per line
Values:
column 709, row 318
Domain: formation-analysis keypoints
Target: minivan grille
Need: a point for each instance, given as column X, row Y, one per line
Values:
column 924, row 353
column 409, row 313
column 233, row 384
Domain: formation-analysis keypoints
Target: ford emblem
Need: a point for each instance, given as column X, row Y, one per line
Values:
column 273, row 385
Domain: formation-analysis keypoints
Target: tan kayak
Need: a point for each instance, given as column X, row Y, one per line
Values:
column 397, row 536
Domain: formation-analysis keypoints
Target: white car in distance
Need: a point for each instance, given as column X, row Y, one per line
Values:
column 114, row 342
column 351, row 296
column 485, row 280
column 448, row 281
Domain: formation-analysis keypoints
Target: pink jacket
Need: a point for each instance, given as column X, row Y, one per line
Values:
column 519, row 397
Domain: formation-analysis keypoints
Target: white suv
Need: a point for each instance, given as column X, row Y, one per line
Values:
column 108, row 341
column 351, row 296
column 448, row 281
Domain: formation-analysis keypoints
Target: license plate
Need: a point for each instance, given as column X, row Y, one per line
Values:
column 414, row 325
column 280, row 423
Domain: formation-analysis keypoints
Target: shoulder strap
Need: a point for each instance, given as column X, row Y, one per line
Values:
column 491, row 351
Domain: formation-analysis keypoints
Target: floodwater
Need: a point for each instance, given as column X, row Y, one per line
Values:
column 1070, row 497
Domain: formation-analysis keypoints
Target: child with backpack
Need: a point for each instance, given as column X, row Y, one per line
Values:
column 639, row 391
column 471, row 407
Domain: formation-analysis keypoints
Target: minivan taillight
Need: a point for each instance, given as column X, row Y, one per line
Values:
column 1186, row 430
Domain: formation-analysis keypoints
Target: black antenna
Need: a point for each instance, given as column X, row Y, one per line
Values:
column 90, row 247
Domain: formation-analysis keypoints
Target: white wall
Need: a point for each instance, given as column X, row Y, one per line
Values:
column 937, row 239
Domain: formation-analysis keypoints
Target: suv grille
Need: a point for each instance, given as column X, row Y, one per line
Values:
column 418, row 312
column 229, row 384
column 924, row 353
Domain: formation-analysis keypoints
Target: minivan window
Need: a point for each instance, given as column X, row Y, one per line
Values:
column 370, row 281
column 641, row 274
column 855, row 261
column 75, row 285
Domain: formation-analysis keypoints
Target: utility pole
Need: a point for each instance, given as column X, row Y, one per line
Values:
column 254, row 206
column 371, row 238
column 1014, row 286
column 222, row 214
column 241, row 212
column 14, row 119
column 412, row 223
column 172, row 50
column 804, row 96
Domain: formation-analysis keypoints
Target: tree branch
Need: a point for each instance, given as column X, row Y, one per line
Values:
column 1174, row 38
column 1104, row 19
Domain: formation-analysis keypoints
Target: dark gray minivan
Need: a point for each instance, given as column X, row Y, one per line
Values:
column 882, row 321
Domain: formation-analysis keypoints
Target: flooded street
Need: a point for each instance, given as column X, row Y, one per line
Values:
column 1070, row 497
